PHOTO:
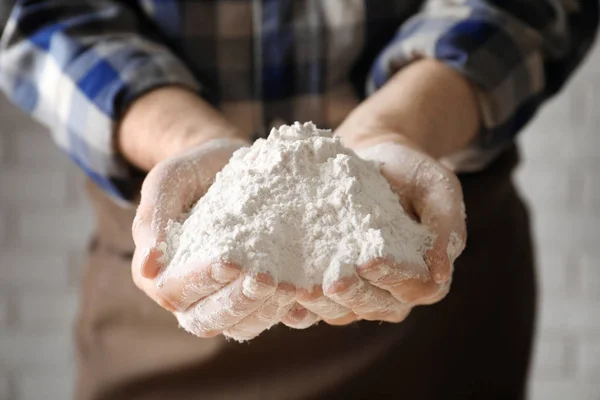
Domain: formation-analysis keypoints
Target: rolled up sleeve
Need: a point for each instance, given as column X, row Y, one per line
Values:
column 516, row 53
column 75, row 67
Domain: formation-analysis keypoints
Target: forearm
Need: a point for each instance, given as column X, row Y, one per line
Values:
column 167, row 121
column 101, row 61
column 516, row 55
column 425, row 102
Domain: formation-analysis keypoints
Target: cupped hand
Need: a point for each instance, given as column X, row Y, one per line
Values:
column 384, row 290
column 207, row 298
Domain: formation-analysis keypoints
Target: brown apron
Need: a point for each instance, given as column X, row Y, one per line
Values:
column 475, row 344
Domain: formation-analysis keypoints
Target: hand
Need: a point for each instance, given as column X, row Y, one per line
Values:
column 207, row 299
column 380, row 290
column 425, row 112
column 184, row 142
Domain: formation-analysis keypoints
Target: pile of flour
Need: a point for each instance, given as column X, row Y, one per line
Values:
column 300, row 206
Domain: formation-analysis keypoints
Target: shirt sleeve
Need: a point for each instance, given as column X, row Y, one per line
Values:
column 75, row 66
column 516, row 53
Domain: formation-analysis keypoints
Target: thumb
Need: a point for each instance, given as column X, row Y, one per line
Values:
column 433, row 193
column 168, row 192
column 161, row 201
column 440, row 207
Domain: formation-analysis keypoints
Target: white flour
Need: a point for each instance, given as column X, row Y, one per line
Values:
column 300, row 206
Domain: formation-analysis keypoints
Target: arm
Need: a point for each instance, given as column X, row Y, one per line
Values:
column 76, row 68
column 166, row 122
column 121, row 103
column 460, row 81
column 516, row 55
column 427, row 103
column 460, row 78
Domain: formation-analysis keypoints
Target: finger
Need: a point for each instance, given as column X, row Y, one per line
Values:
column 348, row 319
column 435, row 195
column 442, row 292
column 437, row 259
column 441, row 209
column 314, row 300
column 298, row 317
column 395, row 315
column 201, row 279
column 408, row 283
column 149, row 261
column 265, row 316
column 148, row 286
column 228, row 306
column 457, row 242
column 169, row 190
column 178, row 292
column 365, row 300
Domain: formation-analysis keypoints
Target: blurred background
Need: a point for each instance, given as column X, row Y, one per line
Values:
column 45, row 224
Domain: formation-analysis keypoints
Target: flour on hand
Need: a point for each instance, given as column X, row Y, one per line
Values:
column 301, row 207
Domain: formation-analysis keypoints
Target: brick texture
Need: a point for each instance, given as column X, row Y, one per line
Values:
column 45, row 224
column 560, row 276
column 35, row 349
column 30, row 268
column 33, row 188
column 589, row 358
column 29, row 145
column 3, row 227
column 48, row 309
column 560, row 178
column 63, row 228
column 44, row 386
column 590, row 277
column 553, row 357
column 4, row 310
column 5, row 388
column 591, row 188
column 2, row 150
column 573, row 390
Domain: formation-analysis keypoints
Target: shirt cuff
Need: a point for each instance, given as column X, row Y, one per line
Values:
column 499, row 55
column 121, row 180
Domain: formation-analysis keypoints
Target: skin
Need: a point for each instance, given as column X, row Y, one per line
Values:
column 426, row 111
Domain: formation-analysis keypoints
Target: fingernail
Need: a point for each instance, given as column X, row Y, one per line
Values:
column 377, row 272
column 148, row 270
column 252, row 288
column 440, row 276
column 223, row 273
column 340, row 314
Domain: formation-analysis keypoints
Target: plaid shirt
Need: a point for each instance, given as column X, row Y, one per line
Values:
column 76, row 65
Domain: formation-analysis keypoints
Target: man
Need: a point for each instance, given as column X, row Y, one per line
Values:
column 429, row 88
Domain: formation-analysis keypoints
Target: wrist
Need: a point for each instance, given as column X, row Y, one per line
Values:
column 426, row 104
column 168, row 121
column 369, row 135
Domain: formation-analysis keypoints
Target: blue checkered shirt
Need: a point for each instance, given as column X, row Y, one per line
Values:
column 76, row 65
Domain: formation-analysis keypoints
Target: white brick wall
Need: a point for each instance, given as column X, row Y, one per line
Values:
column 5, row 389
column 560, row 177
column 44, row 225
column 5, row 311
column 28, row 267
column 37, row 311
column 45, row 349
column 590, row 276
column 3, row 227
column 591, row 189
column 44, row 385
column 589, row 356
